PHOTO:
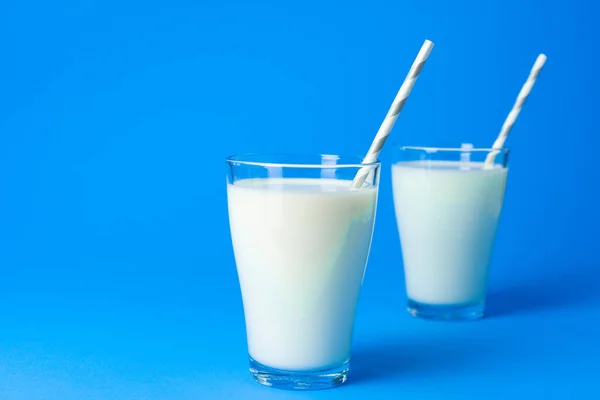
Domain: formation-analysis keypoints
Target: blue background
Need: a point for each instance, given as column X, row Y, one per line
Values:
column 117, row 274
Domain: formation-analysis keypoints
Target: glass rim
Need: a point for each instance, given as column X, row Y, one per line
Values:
column 238, row 159
column 454, row 149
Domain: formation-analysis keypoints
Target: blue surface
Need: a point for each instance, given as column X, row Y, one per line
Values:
column 118, row 279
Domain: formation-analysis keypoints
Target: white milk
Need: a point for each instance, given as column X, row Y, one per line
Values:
column 301, row 247
column 447, row 216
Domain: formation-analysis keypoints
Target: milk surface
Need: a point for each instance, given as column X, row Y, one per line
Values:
column 447, row 214
column 301, row 247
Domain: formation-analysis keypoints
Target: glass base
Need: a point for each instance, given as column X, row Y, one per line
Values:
column 450, row 312
column 299, row 380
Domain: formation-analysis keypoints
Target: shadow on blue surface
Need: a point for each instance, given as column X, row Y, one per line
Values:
column 546, row 293
column 425, row 357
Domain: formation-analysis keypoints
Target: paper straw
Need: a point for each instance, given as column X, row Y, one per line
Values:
column 514, row 113
column 392, row 115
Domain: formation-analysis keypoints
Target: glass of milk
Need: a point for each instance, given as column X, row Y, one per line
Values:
column 447, row 209
column 301, row 237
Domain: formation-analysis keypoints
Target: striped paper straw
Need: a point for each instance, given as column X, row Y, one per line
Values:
column 514, row 113
column 392, row 115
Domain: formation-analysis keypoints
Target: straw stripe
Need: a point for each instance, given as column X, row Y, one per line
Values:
column 392, row 115
column 514, row 113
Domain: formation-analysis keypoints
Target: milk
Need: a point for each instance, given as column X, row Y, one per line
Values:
column 301, row 247
column 447, row 214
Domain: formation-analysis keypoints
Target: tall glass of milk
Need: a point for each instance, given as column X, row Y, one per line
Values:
column 301, row 238
column 447, row 208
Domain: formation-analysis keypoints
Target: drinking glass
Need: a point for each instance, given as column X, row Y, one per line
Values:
column 447, row 207
column 301, row 238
